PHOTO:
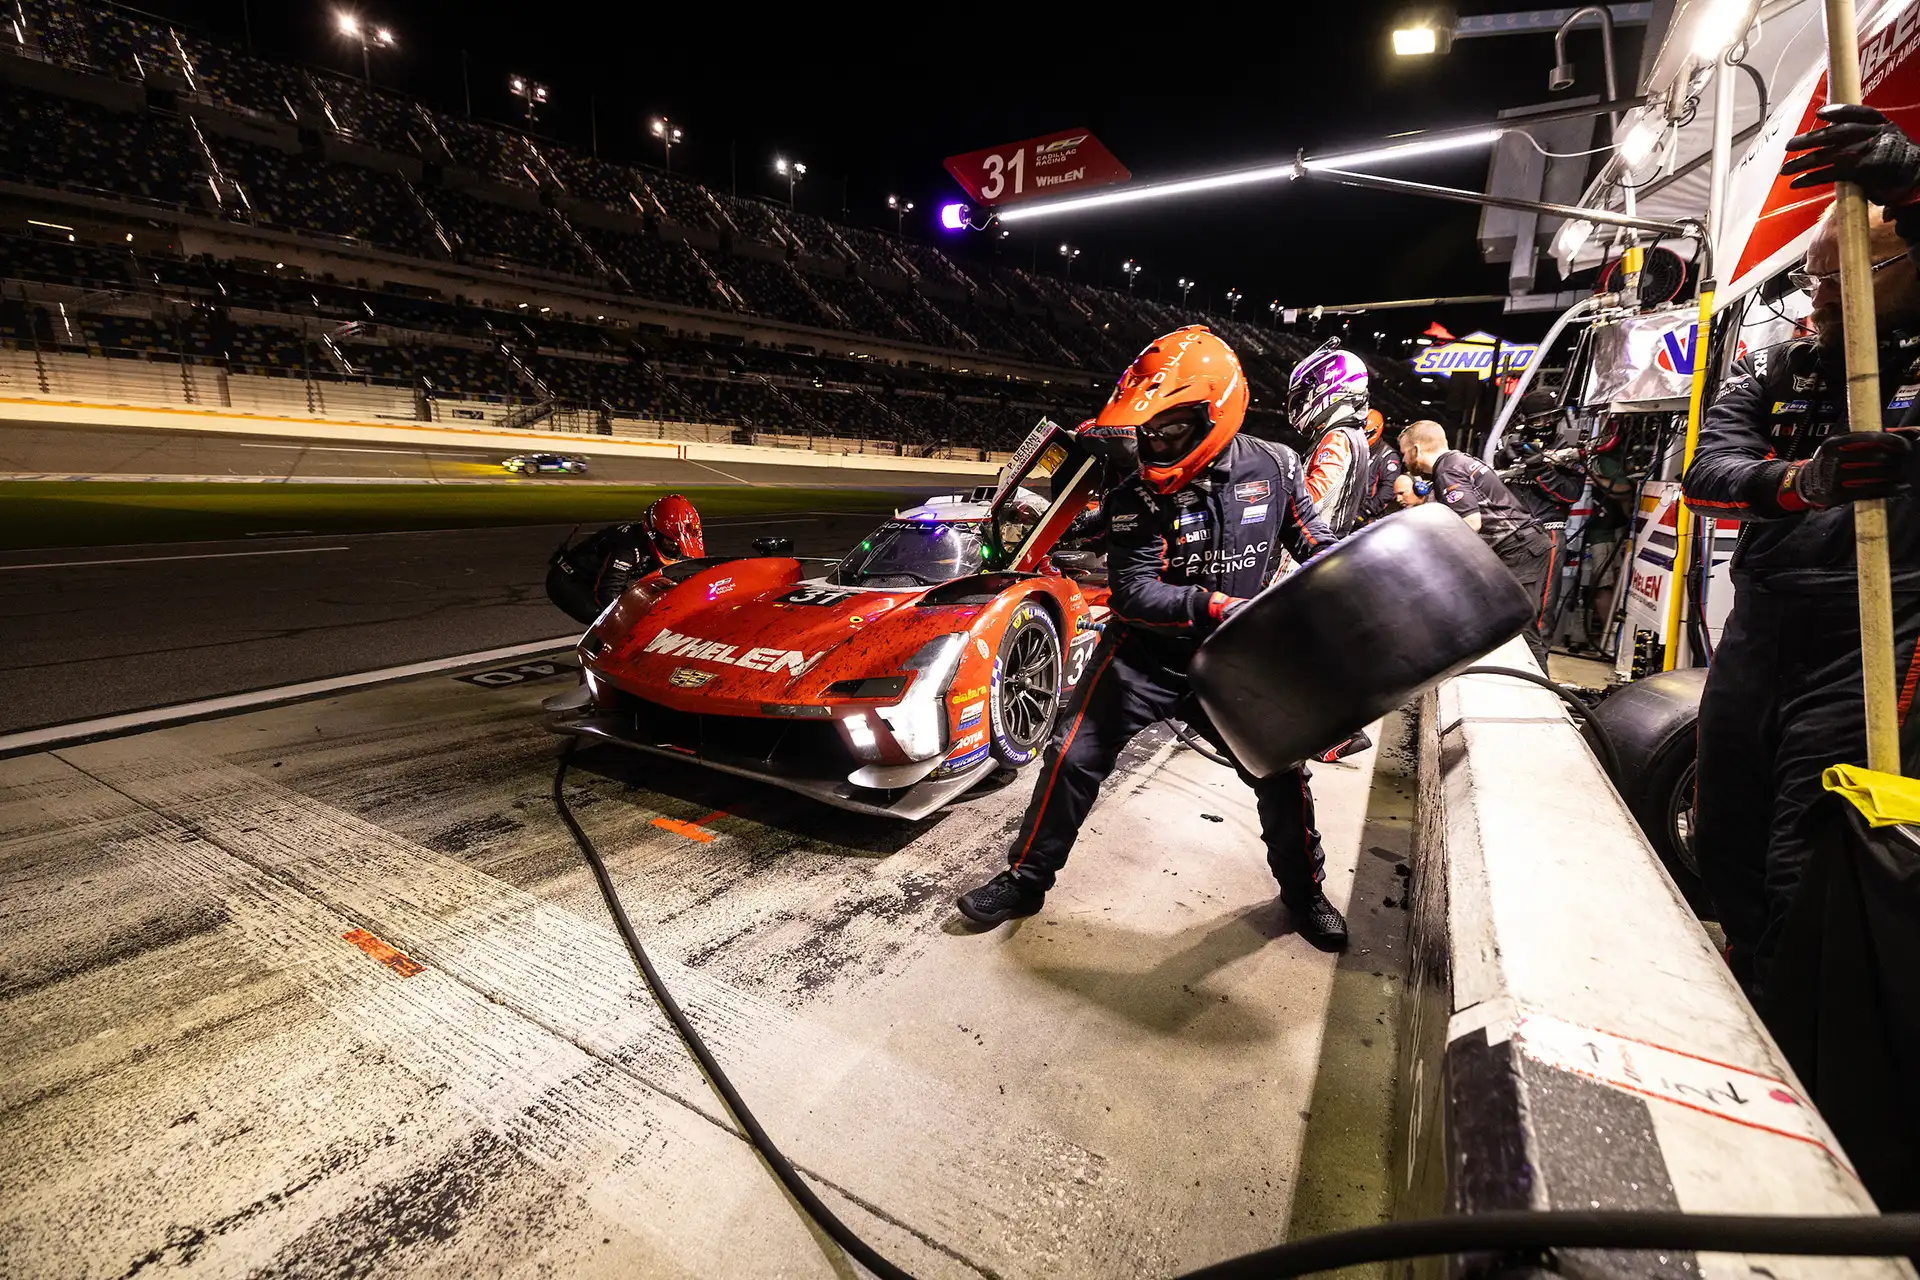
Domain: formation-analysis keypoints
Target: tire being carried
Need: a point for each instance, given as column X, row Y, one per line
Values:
column 1025, row 694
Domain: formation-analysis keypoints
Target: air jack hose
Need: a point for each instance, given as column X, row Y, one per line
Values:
column 1892, row 1235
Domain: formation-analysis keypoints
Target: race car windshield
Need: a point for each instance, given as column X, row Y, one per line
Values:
column 906, row 553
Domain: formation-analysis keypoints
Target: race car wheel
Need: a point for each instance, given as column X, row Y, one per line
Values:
column 1026, row 685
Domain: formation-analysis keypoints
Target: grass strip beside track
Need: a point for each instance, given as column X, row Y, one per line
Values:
column 44, row 514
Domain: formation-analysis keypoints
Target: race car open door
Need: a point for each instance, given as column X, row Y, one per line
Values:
column 1024, row 522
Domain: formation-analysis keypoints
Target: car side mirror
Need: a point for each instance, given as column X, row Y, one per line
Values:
column 773, row 546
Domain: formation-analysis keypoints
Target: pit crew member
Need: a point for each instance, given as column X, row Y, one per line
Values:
column 1783, row 696
column 585, row 578
column 1475, row 492
column 1193, row 533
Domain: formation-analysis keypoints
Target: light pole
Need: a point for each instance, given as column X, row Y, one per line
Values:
column 1130, row 269
column 901, row 208
column 668, row 133
column 1233, row 300
column 534, row 95
column 1186, row 287
column 792, row 171
column 1274, row 309
column 1068, row 252
column 369, row 39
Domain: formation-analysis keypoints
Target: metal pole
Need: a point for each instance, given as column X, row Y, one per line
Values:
column 1863, row 413
column 366, row 63
column 466, row 89
column 593, row 123
column 1607, row 216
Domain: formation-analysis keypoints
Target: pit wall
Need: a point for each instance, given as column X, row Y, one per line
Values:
column 130, row 393
column 1570, row 1038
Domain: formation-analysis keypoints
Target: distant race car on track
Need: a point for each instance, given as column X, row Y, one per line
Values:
column 528, row 464
column 939, row 649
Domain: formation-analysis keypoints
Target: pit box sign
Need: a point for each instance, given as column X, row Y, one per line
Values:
column 1054, row 164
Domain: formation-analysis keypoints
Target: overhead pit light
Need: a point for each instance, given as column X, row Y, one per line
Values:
column 1429, row 29
column 1267, row 173
column 1723, row 23
column 1641, row 139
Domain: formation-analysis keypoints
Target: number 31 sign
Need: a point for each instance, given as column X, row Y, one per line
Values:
column 1054, row 164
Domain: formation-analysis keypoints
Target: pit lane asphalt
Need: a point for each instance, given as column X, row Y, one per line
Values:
column 105, row 630
column 109, row 451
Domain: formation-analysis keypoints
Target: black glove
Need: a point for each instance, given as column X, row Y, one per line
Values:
column 1847, row 468
column 1857, row 145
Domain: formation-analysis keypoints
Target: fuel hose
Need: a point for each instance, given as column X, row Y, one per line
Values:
column 1890, row 1235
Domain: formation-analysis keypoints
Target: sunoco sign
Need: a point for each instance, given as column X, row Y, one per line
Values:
column 1474, row 354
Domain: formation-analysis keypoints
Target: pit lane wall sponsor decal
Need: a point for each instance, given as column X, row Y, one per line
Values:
column 1652, row 1071
column 675, row 645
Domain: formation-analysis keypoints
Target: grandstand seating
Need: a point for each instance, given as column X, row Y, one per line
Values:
column 895, row 289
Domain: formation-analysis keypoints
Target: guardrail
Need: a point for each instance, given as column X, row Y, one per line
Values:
column 1570, row 1037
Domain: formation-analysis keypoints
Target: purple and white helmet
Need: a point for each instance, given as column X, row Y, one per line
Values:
column 1327, row 389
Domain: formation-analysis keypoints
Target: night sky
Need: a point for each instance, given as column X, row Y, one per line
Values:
column 873, row 104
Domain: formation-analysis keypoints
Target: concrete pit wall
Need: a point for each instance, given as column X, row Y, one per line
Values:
column 1570, row 1038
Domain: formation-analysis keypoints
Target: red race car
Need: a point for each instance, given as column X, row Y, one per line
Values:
column 890, row 681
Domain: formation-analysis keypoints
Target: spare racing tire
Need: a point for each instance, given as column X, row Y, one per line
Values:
column 1025, row 692
column 1355, row 633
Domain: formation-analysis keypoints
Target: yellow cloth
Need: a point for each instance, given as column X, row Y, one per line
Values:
column 1883, row 799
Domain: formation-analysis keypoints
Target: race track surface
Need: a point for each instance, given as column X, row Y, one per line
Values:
column 325, row 990
column 97, row 631
column 29, row 449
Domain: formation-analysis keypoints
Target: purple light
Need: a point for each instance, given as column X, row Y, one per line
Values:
column 953, row 216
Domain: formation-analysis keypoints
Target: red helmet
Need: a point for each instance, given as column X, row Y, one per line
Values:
column 1188, row 366
column 1375, row 427
column 674, row 527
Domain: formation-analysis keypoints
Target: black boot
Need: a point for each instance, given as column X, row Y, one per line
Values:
column 1001, row 899
column 1319, row 921
column 1352, row 746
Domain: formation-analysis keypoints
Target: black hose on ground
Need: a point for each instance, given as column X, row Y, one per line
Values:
column 1603, row 745
column 1182, row 731
column 1891, row 1235
column 783, row 1169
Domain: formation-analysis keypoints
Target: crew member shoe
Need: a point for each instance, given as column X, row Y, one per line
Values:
column 1352, row 746
column 1319, row 922
column 1005, row 897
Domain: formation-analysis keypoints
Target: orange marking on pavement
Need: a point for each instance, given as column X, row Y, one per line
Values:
column 403, row 965
column 694, row 830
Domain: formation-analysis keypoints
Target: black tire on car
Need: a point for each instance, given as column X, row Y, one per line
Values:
column 1025, row 694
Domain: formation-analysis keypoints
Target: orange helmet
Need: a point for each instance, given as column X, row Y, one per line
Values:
column 1188, row 366
column 1375, row 426
column 674, row 527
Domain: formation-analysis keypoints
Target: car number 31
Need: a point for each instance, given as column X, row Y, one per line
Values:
column 1078, row 654
column 816, row 595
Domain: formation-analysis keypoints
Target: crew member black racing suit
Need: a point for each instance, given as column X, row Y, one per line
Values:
column 1468, row 485
column 1384, row 466
column 1783, row 697
column 1174, row 564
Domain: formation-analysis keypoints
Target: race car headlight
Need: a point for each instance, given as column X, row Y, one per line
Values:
column 919, row 720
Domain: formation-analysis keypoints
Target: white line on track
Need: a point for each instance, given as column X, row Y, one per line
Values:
column 331, row 448
column 140, row 721
column 204, row 555
column 728, row 474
